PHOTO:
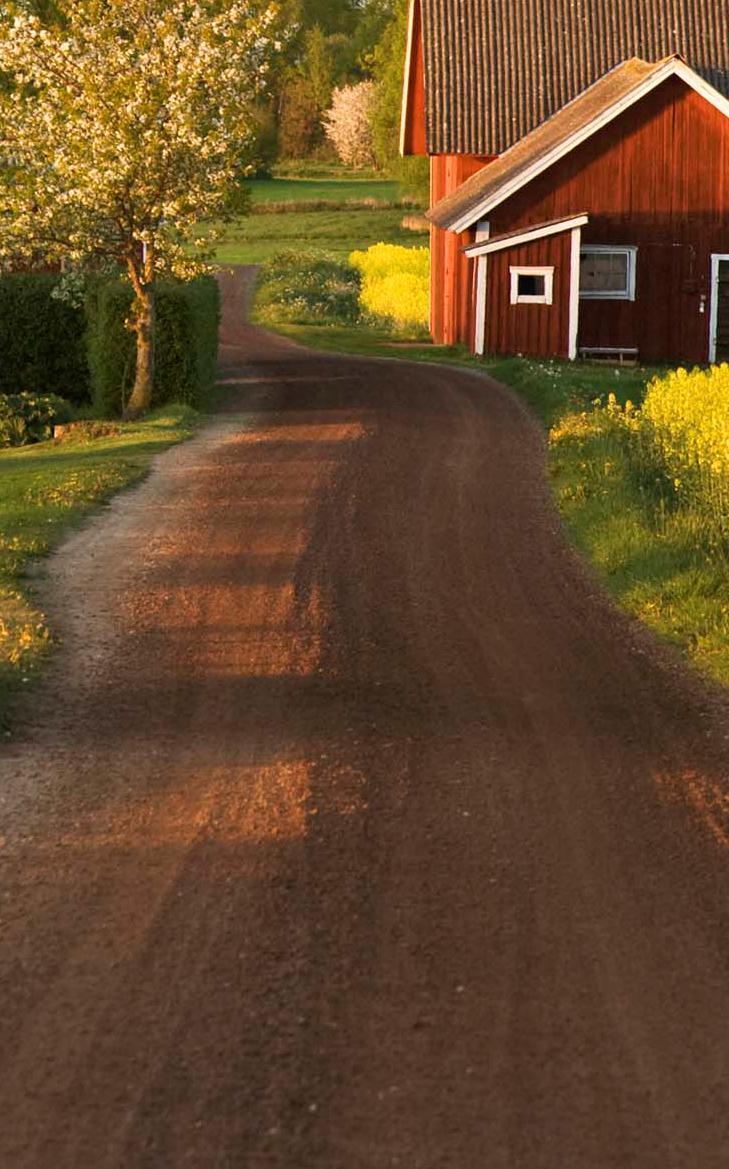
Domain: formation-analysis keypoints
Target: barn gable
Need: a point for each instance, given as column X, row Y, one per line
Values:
column 609, row 98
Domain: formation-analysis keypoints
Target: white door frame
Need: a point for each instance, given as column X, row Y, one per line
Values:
column 483, row 231
column 574, row 325
column 717, row 258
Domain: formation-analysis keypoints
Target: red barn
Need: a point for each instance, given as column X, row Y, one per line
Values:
column 494, row 83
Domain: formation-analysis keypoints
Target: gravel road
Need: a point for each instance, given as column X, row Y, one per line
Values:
column 352, row 827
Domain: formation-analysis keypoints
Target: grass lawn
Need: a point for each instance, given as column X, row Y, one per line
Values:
column 256, row 238
column 662, row 565
column 44, row 491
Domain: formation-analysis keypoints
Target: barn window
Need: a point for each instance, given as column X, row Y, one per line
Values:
column 607, row 273
column 532, row 285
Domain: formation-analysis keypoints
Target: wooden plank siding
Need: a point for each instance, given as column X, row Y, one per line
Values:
column 452, row 275
column 536, row 330
column 656, row 178
column 413, row 114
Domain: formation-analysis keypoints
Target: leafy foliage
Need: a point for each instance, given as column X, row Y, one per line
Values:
column 126, row 124
column 187, row 327
column 28, row 418
column 306, row 288
column 388, row 60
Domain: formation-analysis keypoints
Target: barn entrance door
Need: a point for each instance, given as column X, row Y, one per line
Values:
column 719, row 336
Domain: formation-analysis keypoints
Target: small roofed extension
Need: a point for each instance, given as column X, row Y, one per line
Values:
column 598, row 130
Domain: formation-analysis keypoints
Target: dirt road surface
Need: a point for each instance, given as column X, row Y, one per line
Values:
column 352, row 827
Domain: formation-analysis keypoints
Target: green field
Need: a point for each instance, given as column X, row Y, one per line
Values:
column 256, row 238
column 45, row 490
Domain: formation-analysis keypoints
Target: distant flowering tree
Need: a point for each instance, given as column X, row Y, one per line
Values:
column 348, row 124
column 124, row 125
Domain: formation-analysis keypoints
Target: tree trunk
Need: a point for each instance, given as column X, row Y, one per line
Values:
column 143, row 324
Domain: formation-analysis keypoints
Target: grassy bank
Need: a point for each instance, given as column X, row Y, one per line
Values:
column 335, row 190
column 663, row 561
column 45, row 490
column 661, row 558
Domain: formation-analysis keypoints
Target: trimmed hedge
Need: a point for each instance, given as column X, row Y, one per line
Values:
column 188, row 318
column 42, row 340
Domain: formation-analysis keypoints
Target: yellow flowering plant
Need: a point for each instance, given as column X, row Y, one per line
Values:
column 395, row 283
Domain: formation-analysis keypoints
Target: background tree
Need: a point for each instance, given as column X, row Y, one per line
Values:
column 128, row 123
column 333, row 46
column 348, row 123
column 388, row 63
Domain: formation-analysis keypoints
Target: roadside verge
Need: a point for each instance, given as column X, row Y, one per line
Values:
column 45, row 491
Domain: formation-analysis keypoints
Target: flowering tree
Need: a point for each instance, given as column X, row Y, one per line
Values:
column 348, row 124
column 126, row 124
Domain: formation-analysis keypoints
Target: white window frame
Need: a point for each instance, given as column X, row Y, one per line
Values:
column 547, row 273
column 629, row 250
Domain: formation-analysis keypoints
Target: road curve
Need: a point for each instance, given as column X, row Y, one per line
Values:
column 352, row 826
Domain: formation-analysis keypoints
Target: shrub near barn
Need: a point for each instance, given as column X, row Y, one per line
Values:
column 307, row 289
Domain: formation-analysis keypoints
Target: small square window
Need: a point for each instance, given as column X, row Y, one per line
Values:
column 532, row 285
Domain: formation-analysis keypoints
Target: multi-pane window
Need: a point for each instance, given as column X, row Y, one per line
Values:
column 607, row 273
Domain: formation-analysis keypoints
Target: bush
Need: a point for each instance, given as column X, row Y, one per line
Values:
column 188, row 318
column 41, row 339
column 28, row 418
column 307, row 288
column 395, row 284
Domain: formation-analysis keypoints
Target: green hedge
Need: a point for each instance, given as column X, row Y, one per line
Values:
column 42, row 340
column 188, row 317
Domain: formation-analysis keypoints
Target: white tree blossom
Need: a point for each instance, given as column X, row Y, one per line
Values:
column 348, row 124
column 125, row 125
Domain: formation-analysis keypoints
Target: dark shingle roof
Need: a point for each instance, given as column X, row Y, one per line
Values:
column 495, row 69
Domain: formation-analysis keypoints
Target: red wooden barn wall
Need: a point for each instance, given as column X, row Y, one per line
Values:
column 539, row 330
column 452, row 296
column 414, row 140
column 658, row 178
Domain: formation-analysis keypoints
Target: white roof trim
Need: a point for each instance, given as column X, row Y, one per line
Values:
column 409, row 50
column 672, row 68
column 526, row 236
